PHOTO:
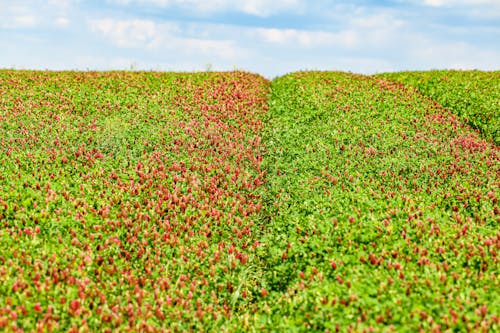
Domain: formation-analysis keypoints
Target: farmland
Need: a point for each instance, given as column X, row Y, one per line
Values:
column 384, row 210
column 474, row 96
column 126, row 199
column 323, row 201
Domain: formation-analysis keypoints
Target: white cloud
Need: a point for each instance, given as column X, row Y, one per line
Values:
column 62, row 4
column 128, row 33
column 36, row 13
column 447, row 3
column 432, row 53
column 62, row 22
column 219, row 48
column 377, row 21
column 308, row 38
column 23, row 21
column 161, row 37
column 262, row 8
column 492, row 4
column 265, row 7
column 14, row 16
column 360, row 31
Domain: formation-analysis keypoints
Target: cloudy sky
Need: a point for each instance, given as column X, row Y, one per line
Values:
column 270, row 37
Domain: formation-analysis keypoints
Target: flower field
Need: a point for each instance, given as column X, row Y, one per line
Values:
column 320, row 201
column 128, row 201
column 473, row 95
column 384, row 210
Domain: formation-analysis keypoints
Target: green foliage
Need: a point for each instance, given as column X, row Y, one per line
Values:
column 127, row 200
column 383, row 211
column 474, row 96
column 223, row 202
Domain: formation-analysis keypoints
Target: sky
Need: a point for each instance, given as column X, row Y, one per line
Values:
column 269, row 37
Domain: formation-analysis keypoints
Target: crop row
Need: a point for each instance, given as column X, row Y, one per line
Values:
column 128, row 200
column 473, row 95
column 221, row 201
column 383, row 211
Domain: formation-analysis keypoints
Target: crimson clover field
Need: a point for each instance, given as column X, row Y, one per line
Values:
column 225, row 202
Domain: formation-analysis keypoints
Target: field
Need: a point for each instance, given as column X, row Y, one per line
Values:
column 474, row 96
column 320, row 201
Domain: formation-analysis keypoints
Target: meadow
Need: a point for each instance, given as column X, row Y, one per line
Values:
column 222, row 201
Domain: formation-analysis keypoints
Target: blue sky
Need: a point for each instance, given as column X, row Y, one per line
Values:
column 270, row 37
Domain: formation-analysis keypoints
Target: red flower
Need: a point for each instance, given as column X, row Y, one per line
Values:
column 74, row 305
column 37, row 307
